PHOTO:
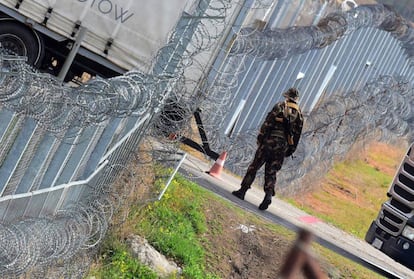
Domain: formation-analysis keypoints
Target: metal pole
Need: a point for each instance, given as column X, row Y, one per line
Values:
column 172, row 177
column 72, row 53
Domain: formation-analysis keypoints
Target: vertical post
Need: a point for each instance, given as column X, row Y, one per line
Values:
column 172, row 177
column 72, row 53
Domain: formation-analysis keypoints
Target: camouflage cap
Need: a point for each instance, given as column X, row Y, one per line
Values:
column 292, row 93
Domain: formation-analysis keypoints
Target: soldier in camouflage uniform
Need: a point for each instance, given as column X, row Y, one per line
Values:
column 278, row 138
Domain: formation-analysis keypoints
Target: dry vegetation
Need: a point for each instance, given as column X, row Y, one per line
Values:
column 350, row 195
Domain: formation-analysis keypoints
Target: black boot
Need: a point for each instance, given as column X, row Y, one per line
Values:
column 266, row 201
column 240, row 193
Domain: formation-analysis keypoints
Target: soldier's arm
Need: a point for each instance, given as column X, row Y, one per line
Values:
column 297, row 132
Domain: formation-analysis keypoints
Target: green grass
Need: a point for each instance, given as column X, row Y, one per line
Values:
column 349, row 197
column 176, row 226
column 117, row 262
column 342, row 267
column 359, row 174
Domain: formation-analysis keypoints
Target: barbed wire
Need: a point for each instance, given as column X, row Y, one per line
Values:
column 61, row 245
column 58, row 108
column 381, row 110
column 283, row 43
column 322, row 141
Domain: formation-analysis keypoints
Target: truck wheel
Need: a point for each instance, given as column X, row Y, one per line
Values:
column 21, row 40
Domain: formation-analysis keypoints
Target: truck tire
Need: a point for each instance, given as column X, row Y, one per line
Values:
column 21, row 40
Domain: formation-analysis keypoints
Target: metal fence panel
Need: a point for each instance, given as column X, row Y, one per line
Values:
column 16, row 209
column 35, row 205
column 261, row 86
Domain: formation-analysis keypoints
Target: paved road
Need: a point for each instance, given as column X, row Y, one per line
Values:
column 293, row 218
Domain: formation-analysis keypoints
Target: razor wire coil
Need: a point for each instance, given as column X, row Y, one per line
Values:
column 38, row 244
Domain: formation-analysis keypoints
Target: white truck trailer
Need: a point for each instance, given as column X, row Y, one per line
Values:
column 100, row 37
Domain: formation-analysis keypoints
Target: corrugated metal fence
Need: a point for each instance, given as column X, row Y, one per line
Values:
column 41, row 173
column 346, row 65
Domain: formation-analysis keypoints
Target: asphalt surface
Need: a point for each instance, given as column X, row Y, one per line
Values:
column 282, row 213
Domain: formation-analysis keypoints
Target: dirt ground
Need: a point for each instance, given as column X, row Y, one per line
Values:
column 244, row 248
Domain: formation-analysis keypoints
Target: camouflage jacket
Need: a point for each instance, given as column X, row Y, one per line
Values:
column 283, row 123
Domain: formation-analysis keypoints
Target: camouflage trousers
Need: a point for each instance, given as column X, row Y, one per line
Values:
column 271, row 154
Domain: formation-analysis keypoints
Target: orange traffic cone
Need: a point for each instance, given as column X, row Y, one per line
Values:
column 218, row 165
